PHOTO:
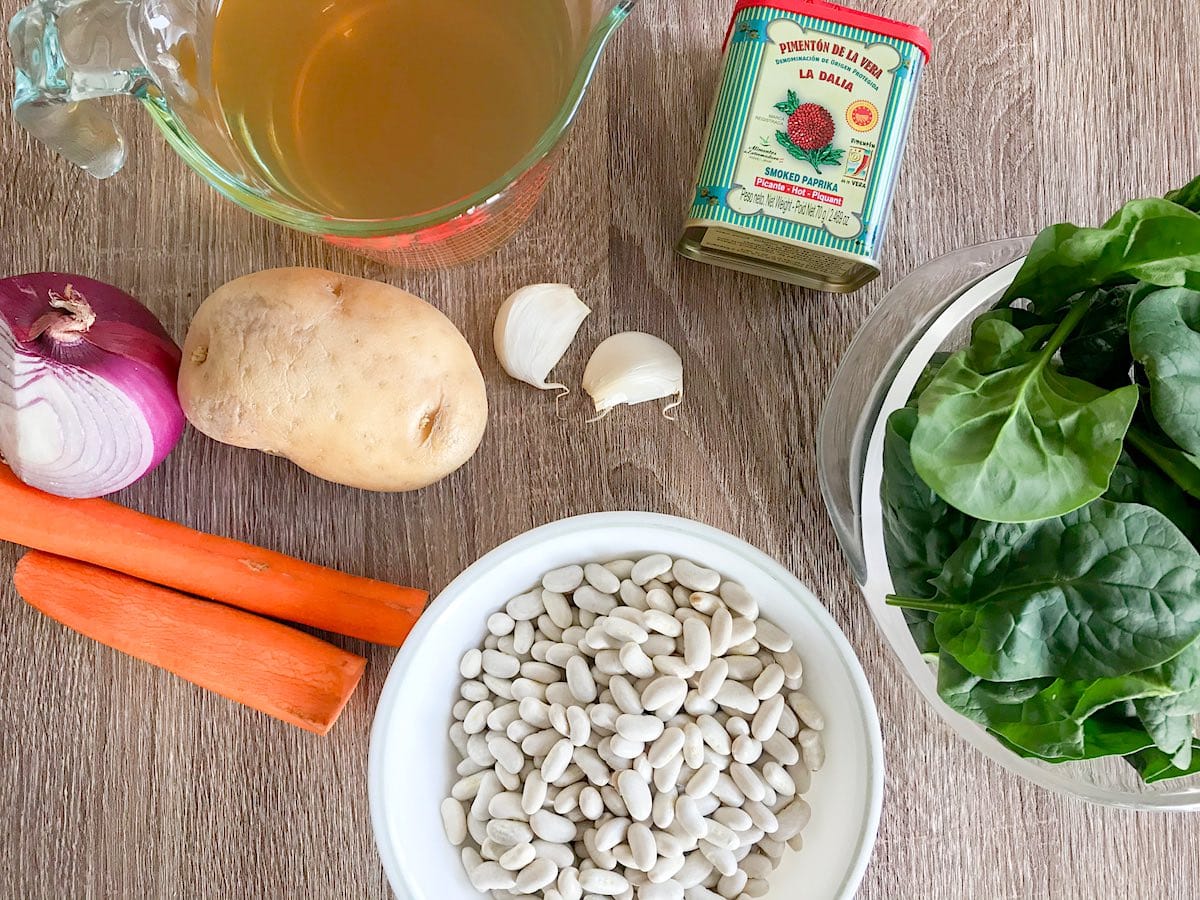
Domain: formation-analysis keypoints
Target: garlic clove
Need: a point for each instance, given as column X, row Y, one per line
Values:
column 633, row 367
column 535, row 328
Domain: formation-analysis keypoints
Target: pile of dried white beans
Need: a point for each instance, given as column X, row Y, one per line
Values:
column 631, row 729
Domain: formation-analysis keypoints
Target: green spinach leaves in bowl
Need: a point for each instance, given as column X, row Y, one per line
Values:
column 1041, row 499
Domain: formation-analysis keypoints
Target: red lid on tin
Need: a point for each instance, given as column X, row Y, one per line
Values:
column 831, row 12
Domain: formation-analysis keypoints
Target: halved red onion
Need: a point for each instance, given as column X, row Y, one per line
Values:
column 88, row 402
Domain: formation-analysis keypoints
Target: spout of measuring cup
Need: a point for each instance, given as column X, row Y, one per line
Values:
column 66, row 55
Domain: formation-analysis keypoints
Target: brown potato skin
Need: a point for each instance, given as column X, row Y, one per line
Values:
column 355, row 381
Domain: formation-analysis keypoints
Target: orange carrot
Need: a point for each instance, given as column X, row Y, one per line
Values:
column 262, row 581
column 270, row 667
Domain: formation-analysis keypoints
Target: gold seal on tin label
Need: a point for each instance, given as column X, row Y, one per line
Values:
column 862, row 115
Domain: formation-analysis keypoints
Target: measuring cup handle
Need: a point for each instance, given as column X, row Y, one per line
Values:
column 66, row 54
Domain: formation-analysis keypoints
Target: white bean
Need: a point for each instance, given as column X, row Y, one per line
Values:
column 704, row 603
column 588, row 599
column 591, row 804
column 747, row 781
column 622, row 568
column 622, row 630
column 722, row 859
column 635, row 794
column 491, row 876
column 500, row 665
column 535, row 876
column 703, row 781
column 782, row 749
column 552, row 827
column 812, row 749
column 738, row 599
column 697, row 644
column 766, row 720
column 525, row 607
column 693, row 746
column 769, row 681
column 688, row 816
column 665, row 888
column 501, row 624
column 642, row 845
column 694, row 871
column 695, row 577
column 772, row 637
column 604, row 883
column 626, row 749
column 472, row 664
column 632, row 595
column 667, row 690
column 659, row 599
column 601, row 578
column 649, row 568
column 635, row 661
column 667, row 775
column 736, row 696
column 454, row 820
column 518, row 857
column 666, row 747
column 641, row 728
column 579, row 680
column 626, row 698
column 563, row 580
column 806, row 710
column 557, row 760
column 568, row 884
column 506, row 805
column 778, row 778
column 508, row 832
column 714, row 733
column 746, row 749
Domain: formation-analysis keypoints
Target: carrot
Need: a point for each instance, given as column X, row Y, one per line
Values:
column 267, row 666
column 262, row 581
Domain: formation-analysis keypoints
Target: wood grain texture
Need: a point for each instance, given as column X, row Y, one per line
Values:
column 120, row 781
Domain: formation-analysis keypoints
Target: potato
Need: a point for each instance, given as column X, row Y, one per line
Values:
column 355, row 381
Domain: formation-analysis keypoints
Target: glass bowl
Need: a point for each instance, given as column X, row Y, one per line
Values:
column 928, row 311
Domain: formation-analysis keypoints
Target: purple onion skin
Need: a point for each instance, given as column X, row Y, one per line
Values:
column 126, row 346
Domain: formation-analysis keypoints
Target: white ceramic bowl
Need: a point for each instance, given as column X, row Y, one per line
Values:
column 412, row 760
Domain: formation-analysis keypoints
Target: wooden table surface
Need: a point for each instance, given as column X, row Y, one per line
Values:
column 117, row 780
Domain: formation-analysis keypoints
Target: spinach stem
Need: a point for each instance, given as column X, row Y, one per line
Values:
column 935, row 606
column 1064, row 329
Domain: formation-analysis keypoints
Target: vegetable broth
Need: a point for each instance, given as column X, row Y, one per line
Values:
column 387, row 108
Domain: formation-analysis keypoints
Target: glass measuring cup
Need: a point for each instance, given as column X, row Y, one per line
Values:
column 69, row 53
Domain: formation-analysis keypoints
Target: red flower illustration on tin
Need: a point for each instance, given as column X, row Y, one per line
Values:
column 810, row 133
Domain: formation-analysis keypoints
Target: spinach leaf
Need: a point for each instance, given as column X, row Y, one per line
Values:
column 979, row 699
column 1182, row 468
column 1098, row 350
column 1172, row 732
column 927, row 375
column 1047, row 717
column 1102, row 736
column 1187, row 196
column 1155, row 241
column 1103, row 591
column 1134, row 484
column 1022, row 443
column 1003, row 338
column 1153, row 765
column 920, row 531
column 1164, row 334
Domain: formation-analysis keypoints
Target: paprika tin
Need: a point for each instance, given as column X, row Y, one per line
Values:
column 803, row 146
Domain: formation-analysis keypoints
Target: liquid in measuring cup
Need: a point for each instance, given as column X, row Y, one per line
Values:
column 365, row 109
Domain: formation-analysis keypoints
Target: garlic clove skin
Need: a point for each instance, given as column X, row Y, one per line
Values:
column 534, row 329
column 633, row 367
